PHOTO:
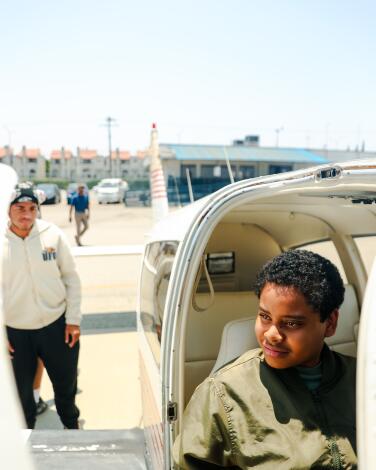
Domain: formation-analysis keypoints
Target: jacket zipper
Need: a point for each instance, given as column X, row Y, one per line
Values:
column 333, row 446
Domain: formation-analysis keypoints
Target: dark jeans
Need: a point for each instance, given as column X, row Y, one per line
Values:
column 60, row 362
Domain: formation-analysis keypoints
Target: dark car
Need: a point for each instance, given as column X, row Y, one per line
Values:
column 51, row 191
column 137, row 198
column 72, row 191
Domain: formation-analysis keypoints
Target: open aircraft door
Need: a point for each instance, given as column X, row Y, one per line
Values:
column 366, row 378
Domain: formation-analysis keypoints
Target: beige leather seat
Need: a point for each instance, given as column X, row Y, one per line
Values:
column 204, row 330
column 344, row 341
column 238, row 335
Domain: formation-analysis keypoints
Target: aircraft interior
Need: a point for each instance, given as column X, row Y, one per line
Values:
column 220, row 321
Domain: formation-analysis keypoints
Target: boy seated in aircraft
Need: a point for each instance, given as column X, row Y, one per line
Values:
column 291, row 403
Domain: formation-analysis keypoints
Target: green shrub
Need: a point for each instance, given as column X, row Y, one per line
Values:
column 92, row 183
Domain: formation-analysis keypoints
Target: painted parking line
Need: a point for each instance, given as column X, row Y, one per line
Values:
column 107, row 250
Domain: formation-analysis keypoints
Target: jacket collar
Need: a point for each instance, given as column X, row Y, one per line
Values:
column 38, row 227
column 332, row 370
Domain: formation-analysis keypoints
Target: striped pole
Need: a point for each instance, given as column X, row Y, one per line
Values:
column 157, row 181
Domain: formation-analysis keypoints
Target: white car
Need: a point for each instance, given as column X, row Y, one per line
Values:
column 111, row 190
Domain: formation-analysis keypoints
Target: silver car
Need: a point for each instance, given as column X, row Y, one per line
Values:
column 111, row 190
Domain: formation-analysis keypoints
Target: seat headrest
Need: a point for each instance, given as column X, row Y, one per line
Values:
column 238, row 337
column 348, row 319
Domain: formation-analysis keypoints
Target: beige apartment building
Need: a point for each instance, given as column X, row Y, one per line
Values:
column 62, row 164
column 88, row 165
column 127, row 166
column 29, row 163
column 205, row 163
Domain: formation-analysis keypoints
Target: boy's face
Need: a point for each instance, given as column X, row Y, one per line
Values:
column 288, row 330
column 22, row 216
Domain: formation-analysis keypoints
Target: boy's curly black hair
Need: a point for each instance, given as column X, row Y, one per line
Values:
column 313, row 275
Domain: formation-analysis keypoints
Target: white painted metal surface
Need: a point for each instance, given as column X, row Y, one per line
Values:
column 366, row 378
column 13, row 450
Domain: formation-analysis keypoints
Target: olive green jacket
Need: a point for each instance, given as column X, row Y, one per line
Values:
column 249, row 415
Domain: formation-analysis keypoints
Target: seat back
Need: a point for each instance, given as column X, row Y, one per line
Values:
column 345, row 338
column 239, row 335
column 204, row 331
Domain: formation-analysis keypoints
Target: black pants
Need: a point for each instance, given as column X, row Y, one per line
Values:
column 60, row 362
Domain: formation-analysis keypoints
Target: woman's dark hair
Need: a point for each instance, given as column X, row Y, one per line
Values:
column 313, row 275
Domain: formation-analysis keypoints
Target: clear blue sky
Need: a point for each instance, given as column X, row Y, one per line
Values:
column 207, row 71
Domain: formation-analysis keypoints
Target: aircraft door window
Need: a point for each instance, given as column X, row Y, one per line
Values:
column 155, row 277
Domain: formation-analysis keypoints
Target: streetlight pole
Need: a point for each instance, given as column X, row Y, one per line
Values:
column 277, row 131
column 109, row 122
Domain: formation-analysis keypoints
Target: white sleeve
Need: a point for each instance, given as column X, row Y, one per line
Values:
column 71, row 280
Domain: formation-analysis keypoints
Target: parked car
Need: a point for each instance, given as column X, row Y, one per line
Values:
column 72, row 191
column 52, row 192
column 137, row 198
column 111, row 190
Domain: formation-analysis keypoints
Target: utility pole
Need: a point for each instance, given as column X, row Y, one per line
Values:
column 277, row 131
column 109, row 122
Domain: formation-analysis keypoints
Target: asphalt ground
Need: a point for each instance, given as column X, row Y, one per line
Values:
column 108, row 382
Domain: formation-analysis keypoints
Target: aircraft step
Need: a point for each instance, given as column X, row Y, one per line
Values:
column 91, row 449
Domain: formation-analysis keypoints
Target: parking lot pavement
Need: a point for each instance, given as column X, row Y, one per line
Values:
column 83, row 450
column 108, row 383
column 109, row 224
column 109, row 391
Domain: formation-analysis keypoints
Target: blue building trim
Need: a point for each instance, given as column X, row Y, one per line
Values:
column 186, row 152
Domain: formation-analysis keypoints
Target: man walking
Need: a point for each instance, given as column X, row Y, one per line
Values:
column 80, row 202
column 42, row 297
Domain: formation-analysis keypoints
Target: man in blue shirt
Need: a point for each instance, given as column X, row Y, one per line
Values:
column 80, row 202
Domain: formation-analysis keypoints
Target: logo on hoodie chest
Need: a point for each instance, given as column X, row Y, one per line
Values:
column 49, row 254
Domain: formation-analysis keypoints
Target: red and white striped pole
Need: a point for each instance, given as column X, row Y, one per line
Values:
column 157, row 182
